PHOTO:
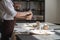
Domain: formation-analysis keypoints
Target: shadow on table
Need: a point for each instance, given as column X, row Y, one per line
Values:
column 25, row 37
column 57, row 39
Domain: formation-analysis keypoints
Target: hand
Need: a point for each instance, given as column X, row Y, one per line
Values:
column 29, row 16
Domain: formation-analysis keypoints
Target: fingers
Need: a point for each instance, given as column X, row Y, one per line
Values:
column 29, row 15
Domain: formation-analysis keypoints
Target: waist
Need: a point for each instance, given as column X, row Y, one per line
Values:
column 4, row 18
column 9, row 19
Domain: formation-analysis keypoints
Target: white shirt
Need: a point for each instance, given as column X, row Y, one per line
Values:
column 7, row 10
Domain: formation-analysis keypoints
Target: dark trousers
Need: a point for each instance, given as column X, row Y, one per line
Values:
column 7, row 29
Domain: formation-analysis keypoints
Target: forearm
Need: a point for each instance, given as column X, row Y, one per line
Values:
column 24, row 15
column 21, row 15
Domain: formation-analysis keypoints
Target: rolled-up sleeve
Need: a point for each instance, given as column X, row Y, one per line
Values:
column 8, row 7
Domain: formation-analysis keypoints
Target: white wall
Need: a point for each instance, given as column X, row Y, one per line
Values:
column 58, row 12
column 51, row 11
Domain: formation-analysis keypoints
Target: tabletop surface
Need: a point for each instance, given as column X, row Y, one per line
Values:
column 55, row 36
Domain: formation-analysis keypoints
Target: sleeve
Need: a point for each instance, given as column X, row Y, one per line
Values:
column 8, row 7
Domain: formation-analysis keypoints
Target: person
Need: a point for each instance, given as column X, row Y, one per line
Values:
column 9, row 16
